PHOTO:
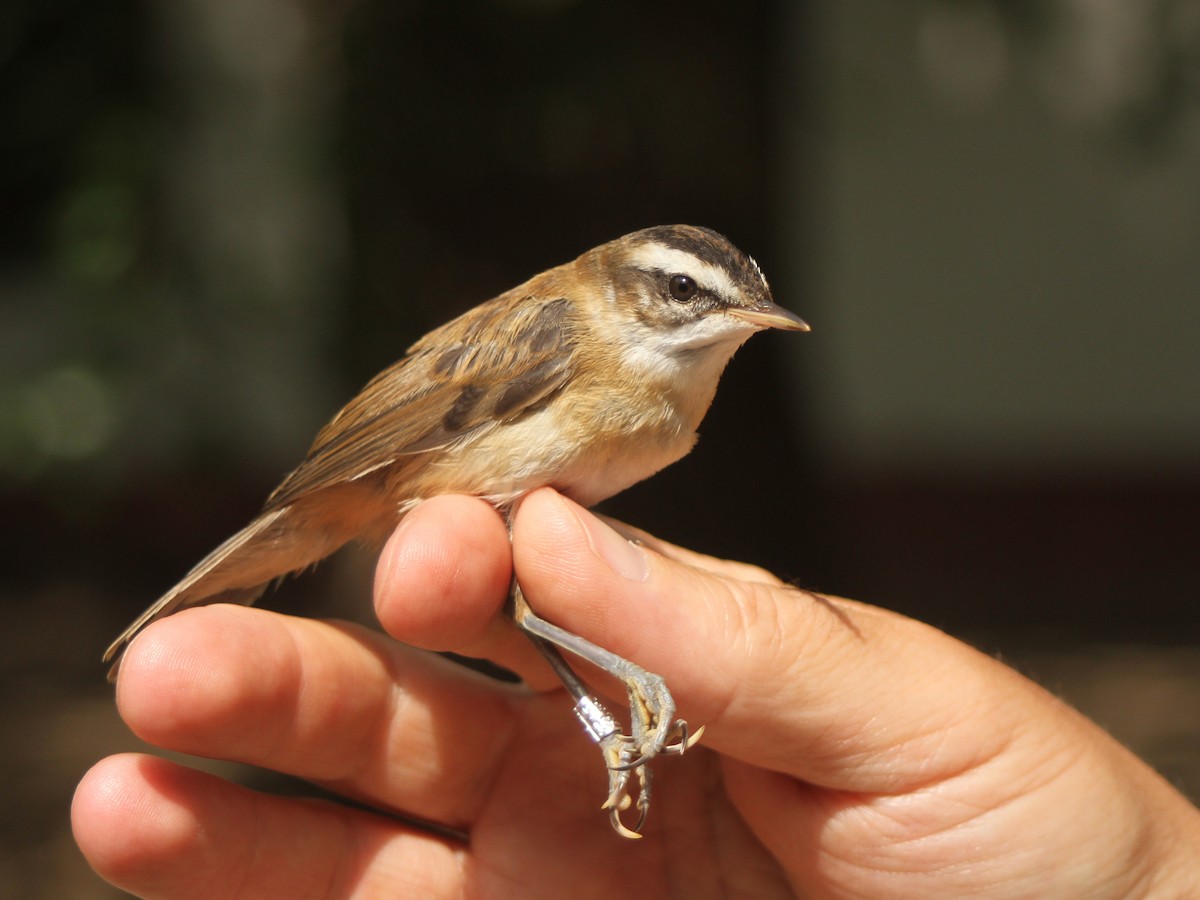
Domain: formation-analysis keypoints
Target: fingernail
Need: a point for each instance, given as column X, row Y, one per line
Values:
column 622, row 556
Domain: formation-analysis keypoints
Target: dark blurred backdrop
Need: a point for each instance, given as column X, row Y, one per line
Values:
column 221, row 217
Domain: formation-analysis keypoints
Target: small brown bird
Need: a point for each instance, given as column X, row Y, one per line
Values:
column 588, row 377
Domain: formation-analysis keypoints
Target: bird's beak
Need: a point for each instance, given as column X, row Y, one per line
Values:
column 770, row 315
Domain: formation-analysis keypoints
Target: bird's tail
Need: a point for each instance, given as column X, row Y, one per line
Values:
column 238, row 571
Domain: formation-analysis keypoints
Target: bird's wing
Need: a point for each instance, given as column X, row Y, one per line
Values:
column 488, row 366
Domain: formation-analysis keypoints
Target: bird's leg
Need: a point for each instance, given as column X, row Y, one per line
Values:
column 652, row 726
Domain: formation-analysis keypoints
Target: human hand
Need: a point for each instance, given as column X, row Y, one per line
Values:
column 848, row 750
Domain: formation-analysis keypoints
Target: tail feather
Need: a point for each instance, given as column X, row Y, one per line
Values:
column 239, row 570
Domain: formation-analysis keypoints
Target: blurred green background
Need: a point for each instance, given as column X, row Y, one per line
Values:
column 221, row 217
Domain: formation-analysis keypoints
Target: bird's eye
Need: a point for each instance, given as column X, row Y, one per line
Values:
column 682, row 288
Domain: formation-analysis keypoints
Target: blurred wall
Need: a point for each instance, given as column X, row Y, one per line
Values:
column 999, row 207
column 225, row 217
column 1005, row 271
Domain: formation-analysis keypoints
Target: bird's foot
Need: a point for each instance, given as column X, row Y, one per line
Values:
column 628, row 755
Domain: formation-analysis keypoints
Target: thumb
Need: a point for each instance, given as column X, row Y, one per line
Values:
column 834, row 692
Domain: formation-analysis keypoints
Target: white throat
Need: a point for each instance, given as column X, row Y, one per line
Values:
column 693, row 350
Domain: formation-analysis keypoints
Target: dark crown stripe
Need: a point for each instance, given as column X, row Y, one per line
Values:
column 707, row 245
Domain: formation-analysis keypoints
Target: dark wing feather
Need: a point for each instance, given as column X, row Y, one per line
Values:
column 490, row 365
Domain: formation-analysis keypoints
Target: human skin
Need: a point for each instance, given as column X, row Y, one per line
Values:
column 848, row 751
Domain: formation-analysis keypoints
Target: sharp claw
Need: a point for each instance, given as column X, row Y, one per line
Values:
column 686, row 741
column 619, row 800
column 619, row 827
column 643, row 802
column 642, row 812
column 635, row 764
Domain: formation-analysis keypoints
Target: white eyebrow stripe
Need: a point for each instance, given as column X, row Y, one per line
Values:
column 669, row 259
